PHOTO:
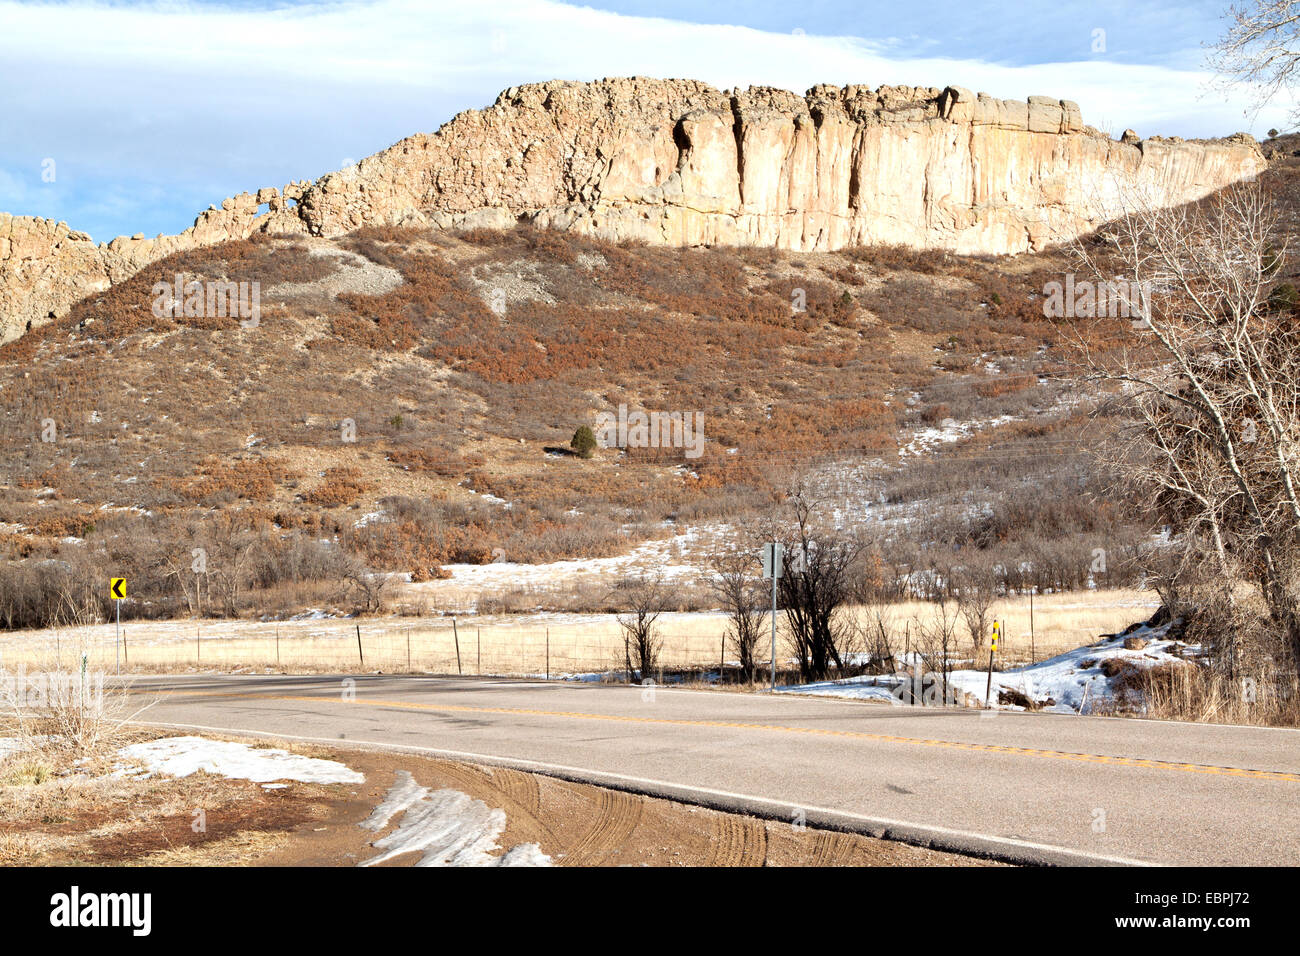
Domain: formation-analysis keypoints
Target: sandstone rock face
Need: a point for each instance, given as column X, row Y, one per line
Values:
column 681, row 163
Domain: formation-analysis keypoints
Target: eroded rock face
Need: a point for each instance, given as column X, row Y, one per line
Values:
column 681, row 163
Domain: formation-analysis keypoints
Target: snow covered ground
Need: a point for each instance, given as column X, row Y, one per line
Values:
column 667, row 556
column 1069, row 683
column 450, row 828
column 948, row 432
column 182, row 756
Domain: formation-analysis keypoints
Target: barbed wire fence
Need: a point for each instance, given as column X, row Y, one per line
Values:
column 449, row 647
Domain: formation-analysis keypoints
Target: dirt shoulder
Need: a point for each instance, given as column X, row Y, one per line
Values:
column 93, row 817
column 582, row 825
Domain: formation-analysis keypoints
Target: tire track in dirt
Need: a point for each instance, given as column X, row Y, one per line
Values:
column 522, row 787
column 827, row 848
column 738, row 841
column 479, row 784
column 619, row 814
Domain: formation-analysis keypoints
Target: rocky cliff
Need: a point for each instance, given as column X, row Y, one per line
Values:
column 679, row 162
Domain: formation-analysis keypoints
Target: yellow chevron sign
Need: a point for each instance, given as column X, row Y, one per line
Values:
column 997, row 633
column 117, row 588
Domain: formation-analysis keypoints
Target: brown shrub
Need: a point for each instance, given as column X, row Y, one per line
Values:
column 342, row 485
column 216, row 482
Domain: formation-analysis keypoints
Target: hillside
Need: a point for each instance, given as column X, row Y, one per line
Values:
column 407, row 399
column 466, row 362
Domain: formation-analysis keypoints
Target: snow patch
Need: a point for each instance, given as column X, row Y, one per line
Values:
column 450, row 828
column 182, row 756
column 949, row 431
column 1069, row 683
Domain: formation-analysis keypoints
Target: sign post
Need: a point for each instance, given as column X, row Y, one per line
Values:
column 772, row 555
column 993, row 646
column 117, row 591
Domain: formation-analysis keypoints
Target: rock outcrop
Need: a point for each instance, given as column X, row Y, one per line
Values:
column 679, row 162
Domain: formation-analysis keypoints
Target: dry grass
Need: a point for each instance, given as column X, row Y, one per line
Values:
column 518, row 645
column 1061, row 622
column 76, row 813
column 234, row 850
column 1189, row 692
column 62, row 712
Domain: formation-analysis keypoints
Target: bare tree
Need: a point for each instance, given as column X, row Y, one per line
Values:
column 938, row 647
column 975, row 584
column 1210, row 377
column 1261, row 49
column 877, row 636
column 816, row 584
column 645, row 597
column 370, row 588
column 744, row 598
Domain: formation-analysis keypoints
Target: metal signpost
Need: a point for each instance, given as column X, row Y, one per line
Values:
column 993, row 647
column 772, row 557
column 117, row 591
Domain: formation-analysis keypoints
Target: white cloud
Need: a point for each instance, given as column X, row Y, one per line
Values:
column 230, row 98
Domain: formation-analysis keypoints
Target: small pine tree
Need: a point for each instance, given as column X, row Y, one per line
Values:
column 1284, row 298
column 584, row 441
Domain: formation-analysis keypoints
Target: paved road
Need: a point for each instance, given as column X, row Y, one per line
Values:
column 1022, row 786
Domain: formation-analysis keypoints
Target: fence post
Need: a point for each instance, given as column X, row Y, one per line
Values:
column 456, row 635
column 478, row 649
column 408, row 647
column 277, row 647
column 548, row 653
column 360, row 654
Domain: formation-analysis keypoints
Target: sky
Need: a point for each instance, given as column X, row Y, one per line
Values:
column 122, row 117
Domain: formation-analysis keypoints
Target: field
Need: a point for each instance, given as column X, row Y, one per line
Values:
column 537, row 645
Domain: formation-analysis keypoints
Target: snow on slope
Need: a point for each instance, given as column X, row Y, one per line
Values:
column 449, row 827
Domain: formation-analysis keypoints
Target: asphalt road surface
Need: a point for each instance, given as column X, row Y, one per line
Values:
column 1025, row 787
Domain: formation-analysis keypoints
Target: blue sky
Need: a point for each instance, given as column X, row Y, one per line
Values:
column 1138, row 31
column 131, row 117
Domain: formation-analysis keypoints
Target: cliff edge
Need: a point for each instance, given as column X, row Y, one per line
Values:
column 679, row 162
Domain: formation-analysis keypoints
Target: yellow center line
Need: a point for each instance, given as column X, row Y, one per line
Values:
column 775, row 728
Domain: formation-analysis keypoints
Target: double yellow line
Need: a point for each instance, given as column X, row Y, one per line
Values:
column 773, row 728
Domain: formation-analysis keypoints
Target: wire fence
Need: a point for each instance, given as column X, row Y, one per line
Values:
column 540, row 652
column 547, row 650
